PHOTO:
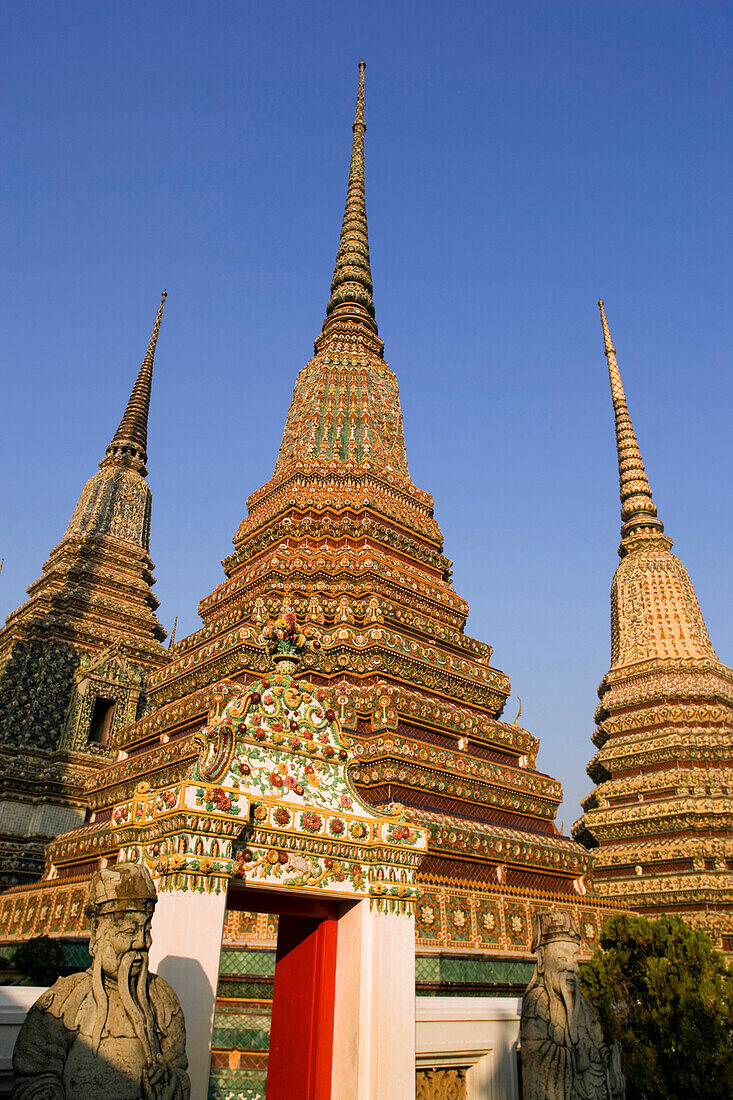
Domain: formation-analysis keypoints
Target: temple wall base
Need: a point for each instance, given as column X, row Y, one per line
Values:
column 476, row 1035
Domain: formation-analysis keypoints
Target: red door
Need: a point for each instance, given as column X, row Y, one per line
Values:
column 301, row 1033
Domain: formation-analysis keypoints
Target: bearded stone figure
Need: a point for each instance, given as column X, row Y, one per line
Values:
column 564, row 1054
column 115, row 1032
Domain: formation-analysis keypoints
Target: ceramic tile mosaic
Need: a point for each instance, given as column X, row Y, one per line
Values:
column 257, row 989
column 236, row 1084
column 449, row 972
column 241, row 1036
column 453, row 917
column 235, row 961
column 77, row 956
column 241, row 1031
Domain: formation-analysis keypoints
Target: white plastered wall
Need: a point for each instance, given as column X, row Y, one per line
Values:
column 374, row 1011
column 187, row 931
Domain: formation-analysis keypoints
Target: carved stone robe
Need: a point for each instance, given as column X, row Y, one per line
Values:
column 554, row 1067
column 54, row 1060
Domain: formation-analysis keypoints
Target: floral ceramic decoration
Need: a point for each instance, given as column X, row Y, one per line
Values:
column 488, row 920
column 459, row 921
column 516, row 925
column 428, row 918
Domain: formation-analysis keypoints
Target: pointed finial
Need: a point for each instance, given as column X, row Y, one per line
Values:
column 351, row 286
column 637, row 507
column 129, row 443
column 172, row 640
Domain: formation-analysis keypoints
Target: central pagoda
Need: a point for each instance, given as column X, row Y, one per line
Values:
column 342, row 532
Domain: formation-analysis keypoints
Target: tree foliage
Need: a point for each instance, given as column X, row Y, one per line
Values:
column 41, row 959
column 666, row 996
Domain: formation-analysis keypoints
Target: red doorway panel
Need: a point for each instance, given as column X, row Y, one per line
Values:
column 301, row 1032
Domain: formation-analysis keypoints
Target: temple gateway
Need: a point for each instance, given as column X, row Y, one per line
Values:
column 344, row 835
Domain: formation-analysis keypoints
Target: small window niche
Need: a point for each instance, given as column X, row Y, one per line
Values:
column 103, row 715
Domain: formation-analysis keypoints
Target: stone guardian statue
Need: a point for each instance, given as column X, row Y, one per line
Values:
column 564, row 1054
column 114, row 1032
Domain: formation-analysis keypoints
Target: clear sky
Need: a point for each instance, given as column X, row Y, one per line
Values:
column 522, row 160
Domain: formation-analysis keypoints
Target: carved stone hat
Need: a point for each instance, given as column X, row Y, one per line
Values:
column 123, row 887
column 556, row 924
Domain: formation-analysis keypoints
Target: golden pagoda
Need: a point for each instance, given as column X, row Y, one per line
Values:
column 341, row 537
column 74, row 657
column 660, row 819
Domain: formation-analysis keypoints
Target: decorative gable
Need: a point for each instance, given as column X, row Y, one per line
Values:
column 269, row 802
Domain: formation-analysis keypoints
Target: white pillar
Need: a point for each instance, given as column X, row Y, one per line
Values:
column 187, row 930
column 374, row 1019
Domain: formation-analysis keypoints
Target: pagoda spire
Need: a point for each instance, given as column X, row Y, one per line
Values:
column 351, row 286
column 129, row 443
column 638, row 510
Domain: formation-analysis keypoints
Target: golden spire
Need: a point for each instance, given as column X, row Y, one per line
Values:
column 128, row 446
column 637, row 507
column 351, row 286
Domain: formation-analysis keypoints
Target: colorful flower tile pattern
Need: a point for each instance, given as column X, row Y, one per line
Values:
column 242, row 927
column 488, row 916
column 444, row 918
column 517, row 925
column 429, row 917
column 480, row 920
column 459, row 920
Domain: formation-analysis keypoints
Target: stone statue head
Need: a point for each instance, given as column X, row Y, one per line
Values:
column 119, row 908
column 555, row 940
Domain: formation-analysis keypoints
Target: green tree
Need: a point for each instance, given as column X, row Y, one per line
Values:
column 41, row 959
column 666, row 996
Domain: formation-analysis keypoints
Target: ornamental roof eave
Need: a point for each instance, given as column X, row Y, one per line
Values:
column 482, row 840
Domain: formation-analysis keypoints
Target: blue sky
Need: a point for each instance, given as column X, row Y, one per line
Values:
column 522, row 160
